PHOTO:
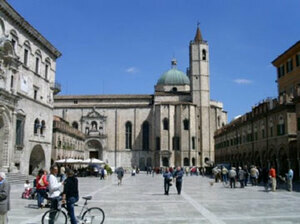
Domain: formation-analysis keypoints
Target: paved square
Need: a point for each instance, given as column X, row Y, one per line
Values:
column 141, row 200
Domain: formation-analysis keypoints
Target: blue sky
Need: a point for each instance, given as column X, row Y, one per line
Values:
column 122, row 47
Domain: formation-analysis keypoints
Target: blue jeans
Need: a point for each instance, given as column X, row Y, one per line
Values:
column 41, row 193
column 70, row 207
column 224, row 178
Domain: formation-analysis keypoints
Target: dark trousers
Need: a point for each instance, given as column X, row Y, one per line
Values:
column 54, row 206
column 41, row 194
column 178, row 186
column 167, row 186
column 70, row 207
column 232, row 182
column 242, row 182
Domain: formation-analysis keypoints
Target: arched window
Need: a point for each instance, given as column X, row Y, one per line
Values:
column 193, row 161
column 204, row 54
column 146, row 135
column 166, row 123
column 75, row 125
column 36, row 126
column 38, row 59
column 14, row 38
column 43, row 126
column 47, row 67
column 280, row 126
column 174, row 89
column 128, row 135
column 186, row 162
column 186, row 124
column 94, row 125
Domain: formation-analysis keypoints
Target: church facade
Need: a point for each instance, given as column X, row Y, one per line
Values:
column 174, row 126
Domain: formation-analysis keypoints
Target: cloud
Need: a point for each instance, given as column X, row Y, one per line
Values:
column 132, row 70
column 243, row 81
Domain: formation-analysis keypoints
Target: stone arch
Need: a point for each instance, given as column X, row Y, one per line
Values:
column 186, row 162
column 165, row 161
column 142, row 163
column 37, row 159
column 94, row 148
column 4, row 137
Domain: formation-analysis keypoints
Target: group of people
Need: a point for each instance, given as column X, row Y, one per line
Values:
column 254, row 174
column 55, row 188
column 176, row 176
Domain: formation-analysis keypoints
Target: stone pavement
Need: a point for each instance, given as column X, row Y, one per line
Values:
column 141, row 200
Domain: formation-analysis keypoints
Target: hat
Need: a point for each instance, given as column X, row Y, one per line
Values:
column 2, row 175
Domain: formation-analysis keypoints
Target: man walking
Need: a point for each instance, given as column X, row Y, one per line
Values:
column 4, row 198
column 167, row 180
column 289, row 177
column 224, row 174
column 232, row 176
column 272, row 174
column 178, row 175
column 120, row 174
column 241, row 175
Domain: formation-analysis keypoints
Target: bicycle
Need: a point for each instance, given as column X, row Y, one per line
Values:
column 87, row 215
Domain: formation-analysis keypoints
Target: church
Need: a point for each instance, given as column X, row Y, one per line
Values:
column 174, row 126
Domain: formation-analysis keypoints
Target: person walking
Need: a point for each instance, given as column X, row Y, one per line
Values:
column 54, row 187
column 254, row 173
column 241, row 175
column 272, row 174
column 41, row 187
column 289, row 178
column 232, row 176
column 70, row 194
column 167, row 180
column 246, row 175
column 224, row 174
column 4, row 198
column 178, row 175
column 265, row 178
column 120, row 174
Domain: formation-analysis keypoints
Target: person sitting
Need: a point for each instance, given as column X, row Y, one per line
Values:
column 27, row 190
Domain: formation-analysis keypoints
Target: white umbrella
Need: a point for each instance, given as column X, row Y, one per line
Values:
column 69, row 160
column 92, row 160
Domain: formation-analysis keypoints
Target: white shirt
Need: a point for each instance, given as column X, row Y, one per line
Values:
column 54, row 186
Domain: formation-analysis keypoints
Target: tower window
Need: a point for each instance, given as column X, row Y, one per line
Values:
column 145, row 135
column 35, row 94
column 166, row 123
column 46, row 71
column 75, row 125
column 204, row 55
column 25, row 57
column 36, row 126
column 19, row 131
column 43, row 127
column 37, row 64
column 193, row 142
column 186, row 124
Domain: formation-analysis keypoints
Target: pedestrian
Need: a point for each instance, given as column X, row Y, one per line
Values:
column 178, row 175
column 62, row 174
column 54, row 187
column 70, row 194
column 4, row 198
column 41, row 187
column 224, row 174
column 272, row 174
column 102, row 174
column 232, row 176
column 120, row 174
column 186, row 170
column 246, row 175
column 167, row 180
column 289, row 178
column 254, row 174
column 265, row 178
column 241, row 175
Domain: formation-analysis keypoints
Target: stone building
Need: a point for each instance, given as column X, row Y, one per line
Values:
column 67, row 141
column 27, row 77
column 173, row 126
column 269, row 134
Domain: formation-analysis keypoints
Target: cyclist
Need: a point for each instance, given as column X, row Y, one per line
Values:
column 70, row 194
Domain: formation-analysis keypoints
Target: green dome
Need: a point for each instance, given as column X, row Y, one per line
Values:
column 173, row 77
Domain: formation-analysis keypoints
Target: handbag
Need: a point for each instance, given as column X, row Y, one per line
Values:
column 41, row 181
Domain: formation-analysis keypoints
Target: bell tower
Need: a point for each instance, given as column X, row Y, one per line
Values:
column 200, row 93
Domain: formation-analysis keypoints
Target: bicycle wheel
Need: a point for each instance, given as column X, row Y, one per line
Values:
column 93, row 215
column 54, row 217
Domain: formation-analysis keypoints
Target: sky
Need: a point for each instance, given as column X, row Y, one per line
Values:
column 124, row 46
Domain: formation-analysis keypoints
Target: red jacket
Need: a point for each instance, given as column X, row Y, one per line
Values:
column 38, row 186
column 272, row 173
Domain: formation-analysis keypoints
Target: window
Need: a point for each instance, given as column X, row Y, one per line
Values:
column 193, row 143
column 289, row 65
column 94, row 125
column 157, row 143
column 128, row 135
column 37, row 64
column 19, row 131
column 174, row 89
column 271, row 131
column 280, row 127
column 280, row 71
column 298, row 123
column 176, row 143
column 43, row 127
column 203, row 54
column 25, row 57
column 36, row 126
column 75, row 125
column 186, row 124
column 12, row 82
column 145, row 135
column 35, row 94
column 298, row 60
column 166, row 123
column 186, row 162
column 263, row 133
column 46, row 71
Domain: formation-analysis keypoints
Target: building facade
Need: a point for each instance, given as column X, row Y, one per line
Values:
column 27, row 77
column 269, row 134
column 67, row 141
column 174, row 126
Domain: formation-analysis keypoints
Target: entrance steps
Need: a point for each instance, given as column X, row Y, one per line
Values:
column 18, row 178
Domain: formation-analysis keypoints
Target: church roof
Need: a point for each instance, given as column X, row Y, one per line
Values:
column 173, row 77
column 198, row 36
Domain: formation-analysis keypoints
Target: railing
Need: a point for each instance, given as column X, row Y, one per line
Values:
column 56, row 87
column 63, row 127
